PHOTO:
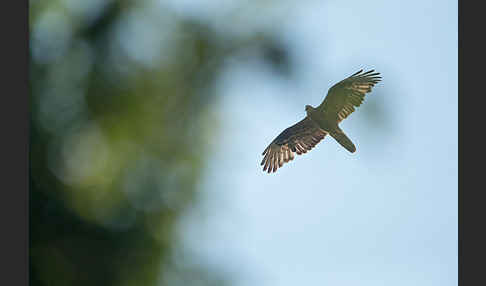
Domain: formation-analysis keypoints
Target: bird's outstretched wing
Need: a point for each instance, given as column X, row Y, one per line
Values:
column 300, row 138
column 347, row 94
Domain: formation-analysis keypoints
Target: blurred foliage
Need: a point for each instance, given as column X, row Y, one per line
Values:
column 120, row 119
column 122, row 116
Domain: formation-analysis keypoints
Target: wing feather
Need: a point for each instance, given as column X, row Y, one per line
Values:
column 300, row 138
column 343, row 97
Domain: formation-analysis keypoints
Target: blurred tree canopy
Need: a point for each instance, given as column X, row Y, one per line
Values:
column 121, row 114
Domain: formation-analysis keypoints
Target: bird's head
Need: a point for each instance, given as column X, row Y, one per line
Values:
column 308, row 108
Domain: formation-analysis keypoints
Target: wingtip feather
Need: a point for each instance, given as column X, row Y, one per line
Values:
column 356, row 73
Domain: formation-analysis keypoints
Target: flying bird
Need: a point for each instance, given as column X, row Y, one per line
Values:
column 340, row 102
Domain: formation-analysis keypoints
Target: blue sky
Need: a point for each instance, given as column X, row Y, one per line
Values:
column 385, row 215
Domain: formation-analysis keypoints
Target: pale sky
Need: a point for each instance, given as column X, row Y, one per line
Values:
column 385, row 215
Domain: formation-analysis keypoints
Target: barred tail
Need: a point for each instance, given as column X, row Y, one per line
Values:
column 342, row 139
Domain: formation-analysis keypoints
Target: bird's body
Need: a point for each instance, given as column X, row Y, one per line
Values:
column 320, row 118
column 341, row 100
column 330, row 126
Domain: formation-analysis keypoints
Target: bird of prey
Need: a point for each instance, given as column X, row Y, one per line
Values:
column 340, row 102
